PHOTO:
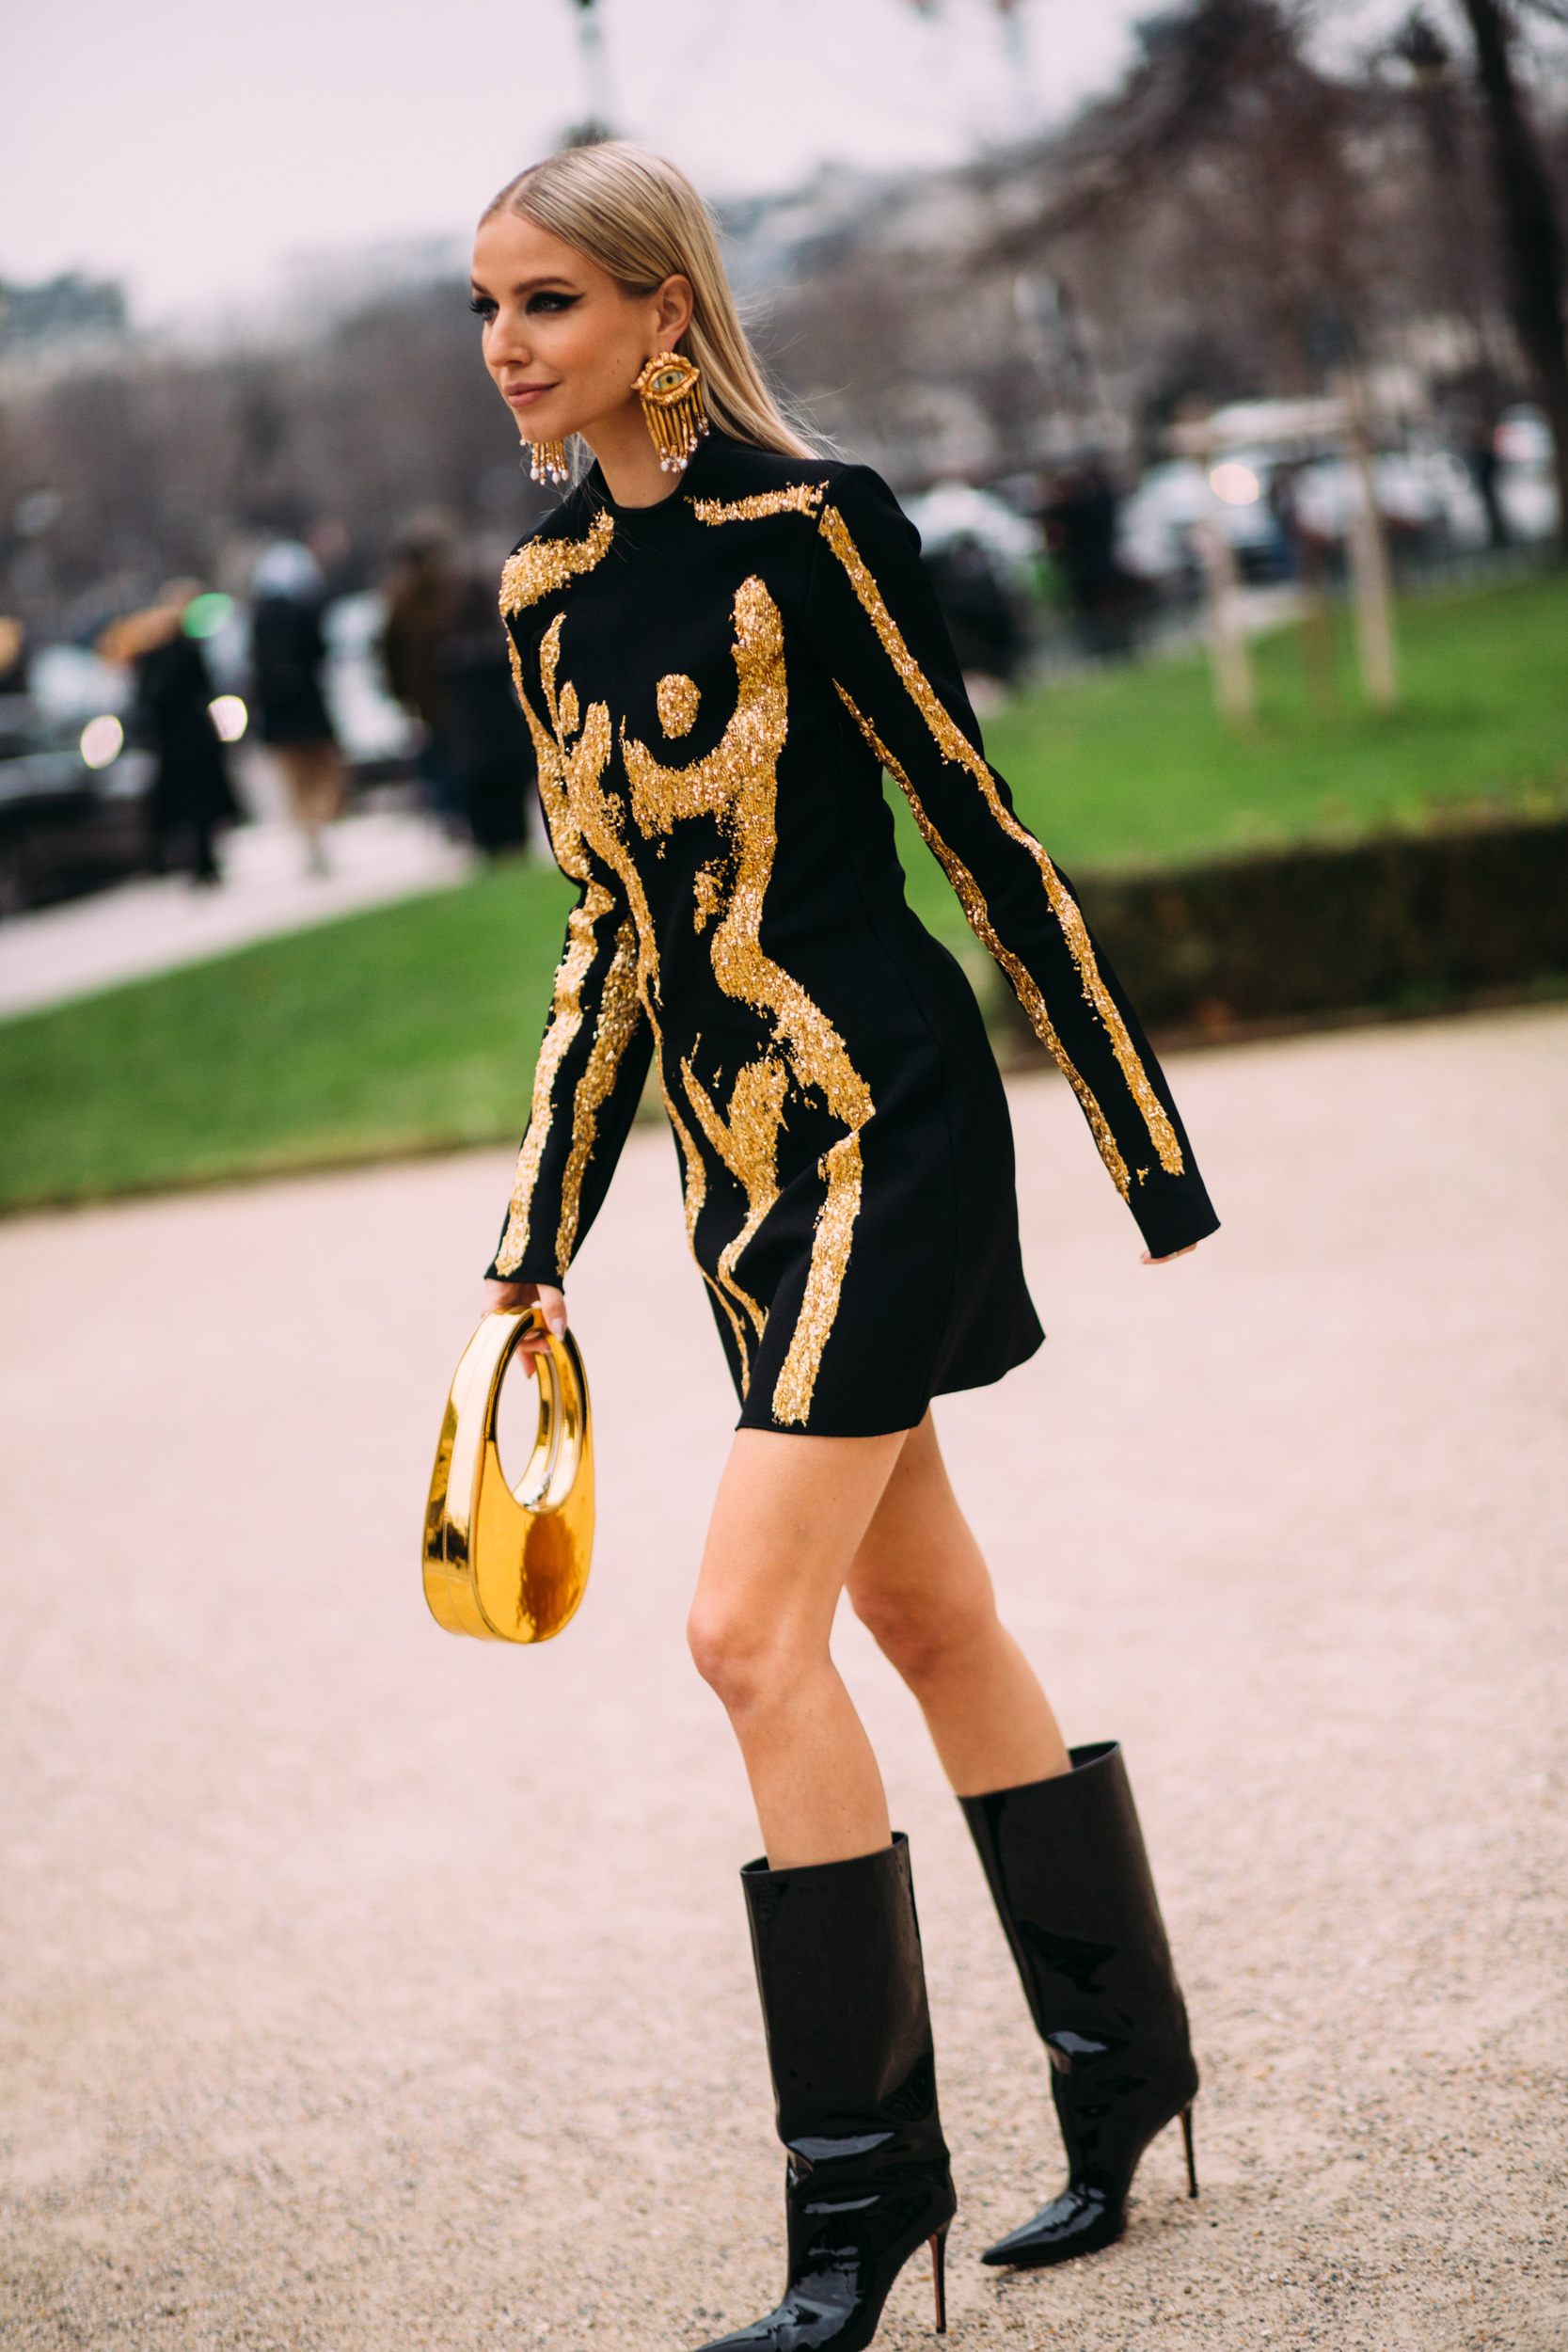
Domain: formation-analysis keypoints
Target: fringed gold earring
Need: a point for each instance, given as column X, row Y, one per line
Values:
column 547, row 461
column 671, row 390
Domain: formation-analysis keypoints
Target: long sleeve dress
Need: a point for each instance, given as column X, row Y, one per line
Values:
column 713, row 687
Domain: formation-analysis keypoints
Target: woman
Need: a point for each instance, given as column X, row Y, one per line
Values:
column 192, row 799
column 718, row 659
column 288, row 654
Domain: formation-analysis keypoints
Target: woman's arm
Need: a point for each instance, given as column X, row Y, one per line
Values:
column 874, row 622
column 586, row 1087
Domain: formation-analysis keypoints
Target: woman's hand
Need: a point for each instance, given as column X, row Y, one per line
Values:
column 1173, row 1255
column 551, row 1304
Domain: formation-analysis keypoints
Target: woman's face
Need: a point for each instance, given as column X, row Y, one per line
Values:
column 562, row 340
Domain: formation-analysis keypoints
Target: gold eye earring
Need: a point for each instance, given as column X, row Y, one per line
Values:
column 547, row 461
column 671, row 390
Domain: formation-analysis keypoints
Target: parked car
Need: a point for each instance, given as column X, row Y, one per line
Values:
column 72, row 803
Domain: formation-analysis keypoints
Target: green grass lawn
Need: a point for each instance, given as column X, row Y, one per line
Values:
column 415, row 1027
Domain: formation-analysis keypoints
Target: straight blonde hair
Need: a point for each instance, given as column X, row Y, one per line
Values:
column 642, row 221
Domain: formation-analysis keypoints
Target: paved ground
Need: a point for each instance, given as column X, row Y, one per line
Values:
column 157, row 921
column 367, row 1989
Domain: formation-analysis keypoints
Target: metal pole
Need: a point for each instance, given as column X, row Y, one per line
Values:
column 1369, row 569
column 1228, row 649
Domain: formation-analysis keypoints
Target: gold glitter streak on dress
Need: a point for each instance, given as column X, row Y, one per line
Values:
column 800, row 498
column 954, row 746
column 542, row 565
column 736, row 783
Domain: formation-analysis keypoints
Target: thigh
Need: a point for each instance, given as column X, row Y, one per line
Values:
column 918, row 1558
column 787, row 1521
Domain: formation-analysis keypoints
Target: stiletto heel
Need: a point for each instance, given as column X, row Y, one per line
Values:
column 1187, row 2143
column 939, row 2279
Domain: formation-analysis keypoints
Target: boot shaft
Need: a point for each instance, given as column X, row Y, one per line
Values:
column 841, row 1980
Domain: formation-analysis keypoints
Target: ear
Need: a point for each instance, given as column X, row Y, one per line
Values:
column 673, row 305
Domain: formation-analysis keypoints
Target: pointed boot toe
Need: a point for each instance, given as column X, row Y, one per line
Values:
column 1080, row 2221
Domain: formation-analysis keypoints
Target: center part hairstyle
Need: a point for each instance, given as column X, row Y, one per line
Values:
column 642, row 221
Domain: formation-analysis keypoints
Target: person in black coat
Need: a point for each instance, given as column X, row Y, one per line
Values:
column 288, row 654
column 192, row 799
column 491, row 748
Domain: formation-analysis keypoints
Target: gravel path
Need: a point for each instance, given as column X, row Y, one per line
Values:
column 366, row 1988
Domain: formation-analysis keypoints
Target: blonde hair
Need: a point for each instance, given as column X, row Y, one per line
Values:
column 642, row 221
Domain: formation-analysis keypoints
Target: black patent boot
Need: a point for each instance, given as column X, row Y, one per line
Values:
column 1067, row 1865
column 867, row 2182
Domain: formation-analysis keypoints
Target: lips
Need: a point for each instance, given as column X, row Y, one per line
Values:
column 524, row 395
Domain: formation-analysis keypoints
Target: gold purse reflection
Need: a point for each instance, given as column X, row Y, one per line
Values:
column 510, row 1563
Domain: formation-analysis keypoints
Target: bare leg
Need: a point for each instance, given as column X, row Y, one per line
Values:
column 789, row 1517
column 919, row 1583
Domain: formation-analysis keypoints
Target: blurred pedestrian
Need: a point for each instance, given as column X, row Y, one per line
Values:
column 192, row 799
column 423, row 604
column 1080, row 519
column 486, row 732
column 288, row 654
column 724, row 639
column 982, row 616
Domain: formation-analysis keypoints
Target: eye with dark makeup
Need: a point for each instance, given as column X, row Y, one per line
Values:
column 549, row 302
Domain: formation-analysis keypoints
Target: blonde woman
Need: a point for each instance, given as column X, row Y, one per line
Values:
column 722, row 640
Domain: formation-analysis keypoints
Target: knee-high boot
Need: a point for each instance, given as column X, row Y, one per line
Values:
column 867, row 2180
column 1065, row 1861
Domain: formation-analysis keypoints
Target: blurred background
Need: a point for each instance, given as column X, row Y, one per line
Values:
column 1218, row 354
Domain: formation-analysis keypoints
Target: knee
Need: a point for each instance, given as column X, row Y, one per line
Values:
column 738, row 1666
column 920, row 1641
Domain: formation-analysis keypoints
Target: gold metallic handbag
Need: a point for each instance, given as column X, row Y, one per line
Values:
column 505, row 1563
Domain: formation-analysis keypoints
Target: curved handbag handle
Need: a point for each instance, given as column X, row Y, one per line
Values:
column 505, row 1563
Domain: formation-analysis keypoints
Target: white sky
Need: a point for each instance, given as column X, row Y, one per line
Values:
column 199, row 148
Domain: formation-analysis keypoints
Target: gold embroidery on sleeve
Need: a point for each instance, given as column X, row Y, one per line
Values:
column 954, row 746
column 619, row 1019
column 738, row 784
column 542, row 565
column 970, row 896
column 800, row 497
column 581, row 949
column 677, row 699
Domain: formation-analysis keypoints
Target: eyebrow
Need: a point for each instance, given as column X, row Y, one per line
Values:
column 528, row 285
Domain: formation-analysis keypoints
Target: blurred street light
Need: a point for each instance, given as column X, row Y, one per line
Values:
column 102, row 740
column 229, row 716
column 1236, row 483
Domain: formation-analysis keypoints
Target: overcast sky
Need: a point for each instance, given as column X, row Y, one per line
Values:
column 198, row 147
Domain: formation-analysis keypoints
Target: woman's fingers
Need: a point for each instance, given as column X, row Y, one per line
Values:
column 1173, row 1257
column 502, row 1297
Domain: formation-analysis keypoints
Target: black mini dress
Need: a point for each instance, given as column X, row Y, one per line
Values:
column 713, row 687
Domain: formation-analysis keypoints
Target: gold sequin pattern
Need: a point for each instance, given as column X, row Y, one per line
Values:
column 736, row 783
column 954, row 746
column 747, row 1142
column 707, row 896
column 620, row 1016
column 581, row 816
column 830, row 1260
column 583, row 945
column 797, row 497
column 542, row 565
column 971, row 899
column 678, row 698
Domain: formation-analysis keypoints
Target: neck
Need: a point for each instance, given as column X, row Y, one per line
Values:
column 627, row 459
